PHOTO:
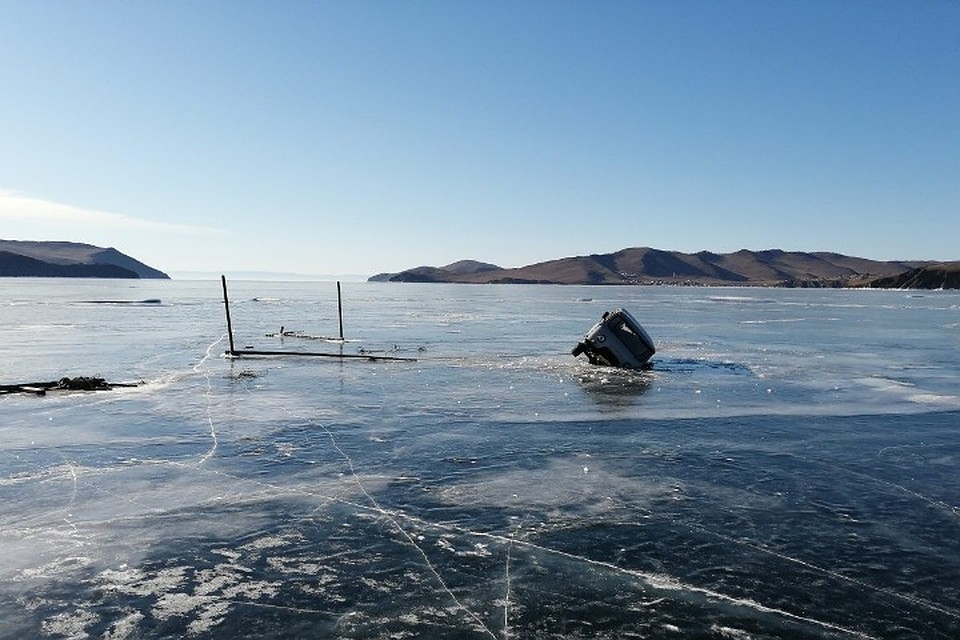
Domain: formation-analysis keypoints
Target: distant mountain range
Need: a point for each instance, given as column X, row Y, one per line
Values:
column 644, row 265
column 20, row 258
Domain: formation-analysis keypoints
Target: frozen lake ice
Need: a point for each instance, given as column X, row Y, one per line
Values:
column 788, row 469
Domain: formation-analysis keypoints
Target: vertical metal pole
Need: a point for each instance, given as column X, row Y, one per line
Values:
column 340, row 309
column 226, row 306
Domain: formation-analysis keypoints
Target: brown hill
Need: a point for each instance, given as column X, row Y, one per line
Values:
column 645, row 265
column 437, row 274
column 69, row 260
column 16, row 265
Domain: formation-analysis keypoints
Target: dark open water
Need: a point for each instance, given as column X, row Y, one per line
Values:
column 789, row 469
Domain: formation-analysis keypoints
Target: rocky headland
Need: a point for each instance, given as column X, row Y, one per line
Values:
column 40, row 259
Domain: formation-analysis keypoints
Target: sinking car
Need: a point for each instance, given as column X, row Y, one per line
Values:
column 617, row 340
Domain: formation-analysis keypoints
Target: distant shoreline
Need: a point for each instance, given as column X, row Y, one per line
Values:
column 647, row 266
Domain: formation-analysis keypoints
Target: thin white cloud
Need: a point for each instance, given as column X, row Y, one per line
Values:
column 16, row 206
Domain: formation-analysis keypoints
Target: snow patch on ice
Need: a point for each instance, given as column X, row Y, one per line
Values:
column 71, row 625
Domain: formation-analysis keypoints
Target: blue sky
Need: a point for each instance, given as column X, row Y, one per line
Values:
column 357, row 137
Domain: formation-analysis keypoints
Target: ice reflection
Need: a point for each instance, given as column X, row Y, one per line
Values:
column 615, row 389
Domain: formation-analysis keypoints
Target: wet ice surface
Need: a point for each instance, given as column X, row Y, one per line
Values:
column 788, row 469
